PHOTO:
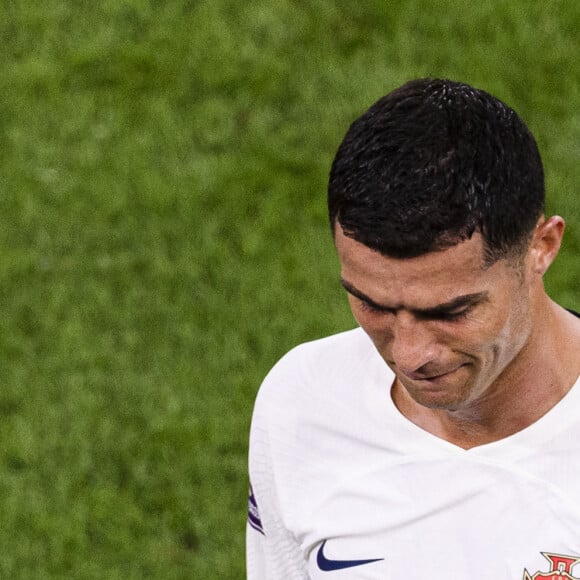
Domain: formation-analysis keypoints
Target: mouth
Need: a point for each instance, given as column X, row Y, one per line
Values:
column 435, row 378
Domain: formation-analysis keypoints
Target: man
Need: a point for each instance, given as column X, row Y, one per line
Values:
column 441, row 439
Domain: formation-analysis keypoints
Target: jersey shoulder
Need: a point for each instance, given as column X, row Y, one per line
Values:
column 314, row 368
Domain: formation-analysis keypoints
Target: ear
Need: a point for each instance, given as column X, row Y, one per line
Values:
column 545, row 243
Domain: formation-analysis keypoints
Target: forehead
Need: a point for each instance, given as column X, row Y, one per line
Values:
column 419, row 282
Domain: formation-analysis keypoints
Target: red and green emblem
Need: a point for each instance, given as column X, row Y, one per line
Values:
column 560, row 568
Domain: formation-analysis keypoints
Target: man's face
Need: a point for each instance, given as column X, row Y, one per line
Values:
column 445, row 325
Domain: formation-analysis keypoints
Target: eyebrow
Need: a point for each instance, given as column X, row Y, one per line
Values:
column 438, row 310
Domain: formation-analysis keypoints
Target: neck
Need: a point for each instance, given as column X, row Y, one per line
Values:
column 542, row 373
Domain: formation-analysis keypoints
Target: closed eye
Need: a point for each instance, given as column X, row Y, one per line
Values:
column 448, row 316
column 442, row 316
column 369, row 307
column 453, row 311
column 366, row 307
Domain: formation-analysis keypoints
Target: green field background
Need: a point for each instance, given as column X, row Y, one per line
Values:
column 163, row 240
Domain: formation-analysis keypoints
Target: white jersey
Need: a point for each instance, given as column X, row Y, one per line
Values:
column 344, row 486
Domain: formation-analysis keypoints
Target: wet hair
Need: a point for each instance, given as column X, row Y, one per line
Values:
column 433, row 162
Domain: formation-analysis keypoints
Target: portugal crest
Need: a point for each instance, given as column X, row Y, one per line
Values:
column 560, row 568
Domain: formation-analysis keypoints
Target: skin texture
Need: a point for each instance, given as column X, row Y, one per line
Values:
column 479, row 353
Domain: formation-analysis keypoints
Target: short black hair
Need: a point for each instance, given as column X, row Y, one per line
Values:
column 433, row 162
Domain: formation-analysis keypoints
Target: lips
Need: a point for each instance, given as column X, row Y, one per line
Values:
column 432, row 377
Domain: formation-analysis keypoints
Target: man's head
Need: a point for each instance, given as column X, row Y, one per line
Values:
column 436, row 198
column 430, row 164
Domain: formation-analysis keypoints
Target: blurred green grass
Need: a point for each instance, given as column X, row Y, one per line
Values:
column 163, row 241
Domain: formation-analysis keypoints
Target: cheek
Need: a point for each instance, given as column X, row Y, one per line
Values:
column 490, row 334
column 376, row 325
column 359, row 314
column 515, row 330
column 373, row 323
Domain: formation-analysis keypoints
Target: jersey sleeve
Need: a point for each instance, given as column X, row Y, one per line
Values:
column 272, row 552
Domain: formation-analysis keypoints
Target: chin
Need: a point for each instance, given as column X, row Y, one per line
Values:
column 438, row 403
column 438, row 397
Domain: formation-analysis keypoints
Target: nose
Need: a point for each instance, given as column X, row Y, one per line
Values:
column 413, row 345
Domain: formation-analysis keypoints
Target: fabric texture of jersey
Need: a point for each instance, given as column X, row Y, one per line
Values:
column 344, row 486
